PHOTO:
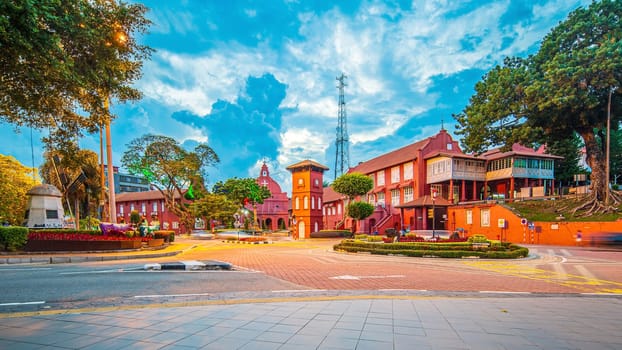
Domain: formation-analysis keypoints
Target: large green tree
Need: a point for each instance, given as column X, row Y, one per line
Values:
column 245, row 191
column 17, row 179
column 215, row 207
column 63, row 59
column 172, row 170
column 563, row 89
column 77, row 176
column 352, row 185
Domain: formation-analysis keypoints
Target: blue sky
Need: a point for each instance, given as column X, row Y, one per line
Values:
column 255, row 80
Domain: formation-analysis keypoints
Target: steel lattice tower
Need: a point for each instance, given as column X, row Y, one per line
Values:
column 342, row 156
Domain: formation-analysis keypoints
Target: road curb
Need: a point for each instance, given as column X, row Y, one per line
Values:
column 189, row 265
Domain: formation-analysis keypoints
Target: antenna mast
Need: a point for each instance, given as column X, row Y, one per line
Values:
column 342, row 157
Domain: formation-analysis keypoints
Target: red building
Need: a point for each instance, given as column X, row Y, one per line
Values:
column 273, row 214
column 414, row 185
column 150, row 205
column 307, row 192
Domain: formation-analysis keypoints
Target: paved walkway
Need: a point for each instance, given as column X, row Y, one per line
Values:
column 383, row 321
column 509, row 322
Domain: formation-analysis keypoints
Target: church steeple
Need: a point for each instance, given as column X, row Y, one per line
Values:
column 264, row 170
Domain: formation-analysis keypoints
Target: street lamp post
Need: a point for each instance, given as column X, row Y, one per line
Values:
column 433, row 213
column 111, row 195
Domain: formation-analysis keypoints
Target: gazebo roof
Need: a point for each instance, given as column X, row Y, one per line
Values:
column 425, row 201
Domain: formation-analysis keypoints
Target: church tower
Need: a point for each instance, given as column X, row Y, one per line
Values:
column 307, row 190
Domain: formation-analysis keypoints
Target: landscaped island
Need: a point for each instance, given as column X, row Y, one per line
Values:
column 476, row 246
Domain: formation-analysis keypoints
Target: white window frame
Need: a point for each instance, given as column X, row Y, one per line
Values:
column 395, row 197
column 485, row 218
column 380, row 178
column 469, row 216
column 408, row 194
column 395, row 174
column 408, row 171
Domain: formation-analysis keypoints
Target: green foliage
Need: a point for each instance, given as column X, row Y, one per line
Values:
column 353, row 184
column 216, row 207
column 478, row 239
column 135, row 217
column 242, row 191
column 360, row 210
column 60, row 58
column 168, row 236
column 560, row 91
column 439, row 250
column 17, row 179
column 171, row 169
column 12, row 237
column 73, row 164
column 331, row 234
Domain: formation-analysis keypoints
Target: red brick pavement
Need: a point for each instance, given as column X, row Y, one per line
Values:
column 313, row 265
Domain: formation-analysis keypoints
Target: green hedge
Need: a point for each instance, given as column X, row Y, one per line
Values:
column 441, row 250
column 331, row 234
column 168, row 236
column 13, row 238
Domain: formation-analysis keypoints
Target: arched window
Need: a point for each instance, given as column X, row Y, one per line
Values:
column 339, row 209
column 297, row 203
column 319, row 202
column 305, row 202
column 312, row 202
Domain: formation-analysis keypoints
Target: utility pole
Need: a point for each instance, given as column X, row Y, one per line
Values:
column 342, row 156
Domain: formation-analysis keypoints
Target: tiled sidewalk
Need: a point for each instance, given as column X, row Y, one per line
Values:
column 505, row 322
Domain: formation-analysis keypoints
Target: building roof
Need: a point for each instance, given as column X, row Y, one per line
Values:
column 140, row 196
column 330, row 195
column 307, row 162
column 518, row 150
column 425, row 201
column 44, row 190
column 398, row 156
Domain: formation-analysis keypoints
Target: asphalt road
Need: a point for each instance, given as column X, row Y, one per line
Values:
column 304, row 268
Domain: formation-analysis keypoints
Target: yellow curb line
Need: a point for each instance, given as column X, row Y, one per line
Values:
column 219, row 302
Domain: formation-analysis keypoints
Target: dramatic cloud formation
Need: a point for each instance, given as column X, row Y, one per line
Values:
column 256, row 80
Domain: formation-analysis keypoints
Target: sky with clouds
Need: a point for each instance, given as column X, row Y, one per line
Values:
column 256, row 80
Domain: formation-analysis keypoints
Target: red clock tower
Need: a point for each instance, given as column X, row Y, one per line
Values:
column 307, row 190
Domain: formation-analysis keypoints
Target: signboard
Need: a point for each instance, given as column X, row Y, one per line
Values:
column 531, row 226
column 523, row 221
column 501, row 223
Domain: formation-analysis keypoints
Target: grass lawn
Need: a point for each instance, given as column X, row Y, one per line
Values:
column 550, row 210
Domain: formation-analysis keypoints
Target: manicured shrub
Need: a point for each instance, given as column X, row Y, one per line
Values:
column 428, row 249
column 167, row 235
column 13, row 237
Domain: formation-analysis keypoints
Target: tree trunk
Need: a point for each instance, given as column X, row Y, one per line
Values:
column 595, row 159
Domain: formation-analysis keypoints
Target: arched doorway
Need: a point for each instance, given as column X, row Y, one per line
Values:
column 269, row 224
column 301, row 230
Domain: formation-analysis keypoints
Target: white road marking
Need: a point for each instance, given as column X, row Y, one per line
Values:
column 24, row 303
column 298, row 290
column 349, row 277
column 170, row 295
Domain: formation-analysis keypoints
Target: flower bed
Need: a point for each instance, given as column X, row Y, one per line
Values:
column 73, row 240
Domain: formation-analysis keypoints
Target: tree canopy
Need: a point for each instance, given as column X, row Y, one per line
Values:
column 352, row 184
column 80, row 169
column 171, row 169
column 561, row 90
column 244, row 192
column 61, row 58
column 17, row 179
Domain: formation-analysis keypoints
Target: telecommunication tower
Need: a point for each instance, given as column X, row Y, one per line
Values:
column 342, row 157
